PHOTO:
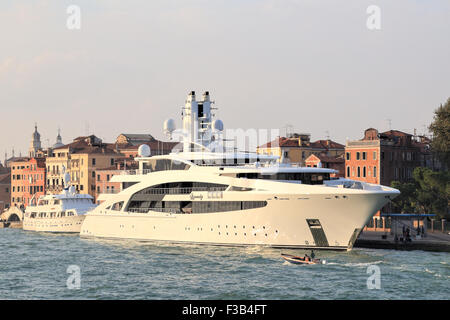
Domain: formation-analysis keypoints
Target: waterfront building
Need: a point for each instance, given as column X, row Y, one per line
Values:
column 5, row 189
column 381, row 158
column 322, row 160
column 27, row 180
column 80, row 159
column 296, row 148
column 384, row 157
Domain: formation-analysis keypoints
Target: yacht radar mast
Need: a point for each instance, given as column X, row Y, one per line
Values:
column 198, row 126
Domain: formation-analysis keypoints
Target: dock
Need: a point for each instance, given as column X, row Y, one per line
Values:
column 436, row 241
column 12, row 224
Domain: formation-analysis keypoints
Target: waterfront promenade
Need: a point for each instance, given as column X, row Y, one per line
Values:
column 433, row 241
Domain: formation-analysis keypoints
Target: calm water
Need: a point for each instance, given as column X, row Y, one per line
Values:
column 34, row 266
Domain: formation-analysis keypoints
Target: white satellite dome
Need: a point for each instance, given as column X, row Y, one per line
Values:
column 169, row 125
column 144, row 150
column 217, row 125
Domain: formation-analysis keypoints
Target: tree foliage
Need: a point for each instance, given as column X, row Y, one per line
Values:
column 429, row 192
column 440, row 127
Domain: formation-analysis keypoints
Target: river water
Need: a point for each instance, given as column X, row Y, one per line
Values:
column 46, row 266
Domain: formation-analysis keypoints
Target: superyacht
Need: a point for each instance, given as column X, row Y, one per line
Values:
column 62, row 212
column 203, row 193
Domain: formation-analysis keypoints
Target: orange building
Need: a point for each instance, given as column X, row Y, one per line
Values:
column 28, row 179
column 381, row 158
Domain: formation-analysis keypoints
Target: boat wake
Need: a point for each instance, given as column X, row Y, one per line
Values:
column 350, row 264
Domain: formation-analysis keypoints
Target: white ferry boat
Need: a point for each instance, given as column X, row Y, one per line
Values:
column 62, row 212
column 206, row 195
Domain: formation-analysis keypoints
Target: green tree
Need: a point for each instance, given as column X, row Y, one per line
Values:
column 432, row 192
column 440, row 127
column 429, row 192
column 404, row 203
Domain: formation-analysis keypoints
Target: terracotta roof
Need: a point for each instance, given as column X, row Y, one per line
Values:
column 154, row 145
column 295, row 142
column 95, row 146
column 281, row 142
column 17, row 159
column 395, row 133
column 327, row 144
column 326, row 159
column 137, row 137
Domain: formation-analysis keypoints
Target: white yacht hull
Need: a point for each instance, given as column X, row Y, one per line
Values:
column 70, row 224
column 284, row 222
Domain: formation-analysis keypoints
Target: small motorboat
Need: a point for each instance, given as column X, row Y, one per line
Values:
column 299, row 260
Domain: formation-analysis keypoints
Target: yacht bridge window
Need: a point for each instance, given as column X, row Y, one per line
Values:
column 153, row 165
column 304, row 177
column 185, row 187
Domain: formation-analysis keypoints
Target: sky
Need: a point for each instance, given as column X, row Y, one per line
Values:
column 313, row 65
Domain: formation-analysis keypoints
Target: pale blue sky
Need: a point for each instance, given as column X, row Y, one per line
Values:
column 311, row 64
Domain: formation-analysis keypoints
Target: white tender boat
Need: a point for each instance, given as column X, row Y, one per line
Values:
column 206, row 195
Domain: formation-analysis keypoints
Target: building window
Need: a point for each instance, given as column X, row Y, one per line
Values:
column 93, row 161
column 98, row 177
column 374, row 172
column 359, row 172
column 107, row 177
column 348, row 172
column 357, row 156
column 348, row 155
column 364, row 171
column 93, row 174
column 364, row 155
column 374, row 155
column 112, row 162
